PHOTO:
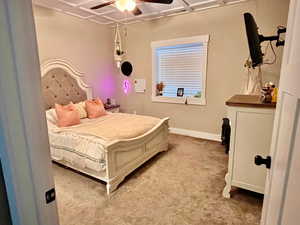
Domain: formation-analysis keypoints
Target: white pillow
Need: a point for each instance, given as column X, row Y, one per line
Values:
column 51, row 116
column 81, row 109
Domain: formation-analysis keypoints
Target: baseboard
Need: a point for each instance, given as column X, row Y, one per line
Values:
column 196, row 134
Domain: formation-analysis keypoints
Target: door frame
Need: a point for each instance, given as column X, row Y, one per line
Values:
column 24, row 145
column 278, row 157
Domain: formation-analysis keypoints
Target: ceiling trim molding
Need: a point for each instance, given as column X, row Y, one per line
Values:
column 149, row 13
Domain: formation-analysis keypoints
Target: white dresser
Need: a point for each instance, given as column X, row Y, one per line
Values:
column 251, row 130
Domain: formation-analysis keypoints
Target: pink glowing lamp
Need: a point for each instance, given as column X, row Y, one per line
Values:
column 126, row 86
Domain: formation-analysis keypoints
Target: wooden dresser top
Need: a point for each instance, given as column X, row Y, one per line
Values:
column 249, row 101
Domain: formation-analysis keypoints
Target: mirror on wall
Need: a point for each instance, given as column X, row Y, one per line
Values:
column 126, row 68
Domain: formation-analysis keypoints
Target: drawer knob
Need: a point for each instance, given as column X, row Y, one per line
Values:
column 259, row 160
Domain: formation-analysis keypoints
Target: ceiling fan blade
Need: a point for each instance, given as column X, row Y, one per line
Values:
column 158, row 1
column 136, row 11
column 103, row 5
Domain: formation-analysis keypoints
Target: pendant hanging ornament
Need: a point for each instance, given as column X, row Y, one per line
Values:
column 119, row 53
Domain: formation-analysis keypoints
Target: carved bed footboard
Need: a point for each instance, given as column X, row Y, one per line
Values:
column 123, row 157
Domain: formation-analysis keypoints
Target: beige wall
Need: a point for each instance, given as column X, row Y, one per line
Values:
column 226, row 55
column 87, row 45
column 270, row 14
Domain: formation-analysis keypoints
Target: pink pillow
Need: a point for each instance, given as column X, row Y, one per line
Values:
column 94, row 108
column 67, row 115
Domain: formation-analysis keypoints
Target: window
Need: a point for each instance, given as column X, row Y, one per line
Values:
column 179, row 70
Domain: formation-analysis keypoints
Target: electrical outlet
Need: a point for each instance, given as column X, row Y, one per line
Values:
column 50, row 196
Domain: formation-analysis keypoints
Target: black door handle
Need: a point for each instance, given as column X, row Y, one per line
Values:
column 258, row 160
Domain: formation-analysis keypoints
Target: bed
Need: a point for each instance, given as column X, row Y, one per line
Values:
column 97, row 153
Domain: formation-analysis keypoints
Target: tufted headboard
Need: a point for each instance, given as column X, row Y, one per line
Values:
column 61, row 84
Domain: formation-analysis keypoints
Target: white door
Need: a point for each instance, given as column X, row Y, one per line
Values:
column 282, row 199
column 24, row 147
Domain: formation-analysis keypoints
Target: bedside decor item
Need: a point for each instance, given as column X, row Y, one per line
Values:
column 159, row 89
column 267, row 91
column 113, row 101
column 126, row 68
column 180, row 92
column 112, row 108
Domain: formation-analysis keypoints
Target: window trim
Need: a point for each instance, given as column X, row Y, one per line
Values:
column 180, row 100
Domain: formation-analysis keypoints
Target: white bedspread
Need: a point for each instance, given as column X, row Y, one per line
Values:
column 83, row 145
column 114, row 126
column 79, row 150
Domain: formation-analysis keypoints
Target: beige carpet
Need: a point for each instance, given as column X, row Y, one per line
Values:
column 182, row 186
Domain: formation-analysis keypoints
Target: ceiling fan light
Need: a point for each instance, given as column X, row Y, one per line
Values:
column 121, row 5
column 130, row 5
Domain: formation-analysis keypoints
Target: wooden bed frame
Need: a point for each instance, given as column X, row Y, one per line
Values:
column 122, row 156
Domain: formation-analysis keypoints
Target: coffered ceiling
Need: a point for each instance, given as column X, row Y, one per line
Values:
column 111, row 15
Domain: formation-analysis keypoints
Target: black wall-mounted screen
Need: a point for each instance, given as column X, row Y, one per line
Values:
column 253, row 40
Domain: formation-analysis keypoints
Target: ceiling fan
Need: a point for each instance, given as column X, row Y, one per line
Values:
column 130, row 5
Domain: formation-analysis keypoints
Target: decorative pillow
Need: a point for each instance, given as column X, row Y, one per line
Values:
column 81, row 109
column 67, row 115
column 94, row 108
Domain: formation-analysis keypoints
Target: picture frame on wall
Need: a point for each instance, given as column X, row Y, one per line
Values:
column 180, row 92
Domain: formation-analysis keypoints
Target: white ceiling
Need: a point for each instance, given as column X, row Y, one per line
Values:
column 111, row 15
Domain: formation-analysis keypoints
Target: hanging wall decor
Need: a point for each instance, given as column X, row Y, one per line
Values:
column 126, row 68
column 126, row 86
column 119, row 53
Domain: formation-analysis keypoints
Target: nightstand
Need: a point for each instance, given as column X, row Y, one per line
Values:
column 251, row 124
column 112, row 108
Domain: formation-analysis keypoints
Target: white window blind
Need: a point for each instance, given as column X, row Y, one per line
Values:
column 181, row 64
